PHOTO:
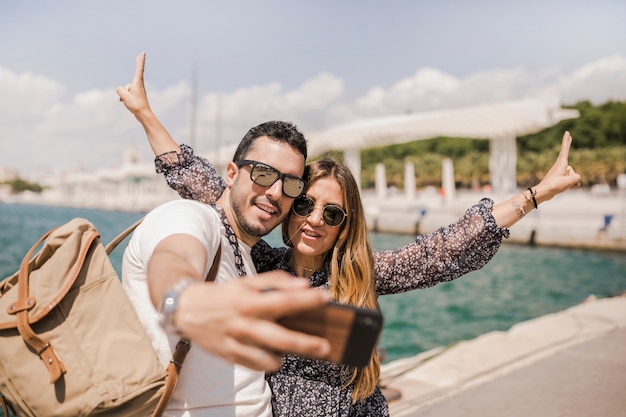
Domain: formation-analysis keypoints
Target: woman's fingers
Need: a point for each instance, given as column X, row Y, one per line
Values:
column 565, row 146
column 139, row 68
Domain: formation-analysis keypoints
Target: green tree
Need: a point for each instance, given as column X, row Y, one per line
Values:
column 19, row 185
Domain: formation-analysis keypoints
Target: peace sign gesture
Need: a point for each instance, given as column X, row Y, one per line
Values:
column 135, row 99
column 561, row 176
column 134, row 95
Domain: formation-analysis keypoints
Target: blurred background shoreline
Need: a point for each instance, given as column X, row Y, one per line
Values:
column 521, row 282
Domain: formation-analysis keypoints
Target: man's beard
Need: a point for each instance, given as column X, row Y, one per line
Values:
column 239, row 208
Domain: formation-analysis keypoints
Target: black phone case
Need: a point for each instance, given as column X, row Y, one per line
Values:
column 353, row 332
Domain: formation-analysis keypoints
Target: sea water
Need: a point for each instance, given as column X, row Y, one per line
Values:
column 518, row 284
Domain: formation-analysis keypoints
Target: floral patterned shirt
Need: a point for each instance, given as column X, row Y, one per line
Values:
column 308, row 387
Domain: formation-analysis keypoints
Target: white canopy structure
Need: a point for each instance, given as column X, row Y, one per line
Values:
column 501, row 123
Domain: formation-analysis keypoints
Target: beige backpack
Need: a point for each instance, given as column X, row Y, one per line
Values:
column 70, row 341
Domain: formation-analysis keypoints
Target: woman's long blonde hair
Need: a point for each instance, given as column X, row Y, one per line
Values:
column 350, row 263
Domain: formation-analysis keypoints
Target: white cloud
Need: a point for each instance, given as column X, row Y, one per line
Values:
column 39, row 127
column 597, row 81
column 24, row 100
column 431, row 89
column 246, row 107
column 25, row 95
column 315, row 93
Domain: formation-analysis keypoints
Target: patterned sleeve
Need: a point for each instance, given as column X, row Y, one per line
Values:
column 446, row 254
column 192, row 176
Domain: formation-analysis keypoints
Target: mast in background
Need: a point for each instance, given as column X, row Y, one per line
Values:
column 194, row 102
column 218, row 121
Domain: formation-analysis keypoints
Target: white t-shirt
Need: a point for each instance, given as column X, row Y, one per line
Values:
column 208, row 386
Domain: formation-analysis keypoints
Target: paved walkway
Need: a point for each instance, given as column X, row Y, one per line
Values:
column 571, row 363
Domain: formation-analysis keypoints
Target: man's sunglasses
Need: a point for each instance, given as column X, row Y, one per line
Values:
column 265, row 175
column 333, row 215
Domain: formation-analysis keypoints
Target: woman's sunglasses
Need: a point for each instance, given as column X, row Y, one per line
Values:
column 333, row 215
column 265, row 175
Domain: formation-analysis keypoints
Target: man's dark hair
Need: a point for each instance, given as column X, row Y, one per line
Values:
column 277, row 130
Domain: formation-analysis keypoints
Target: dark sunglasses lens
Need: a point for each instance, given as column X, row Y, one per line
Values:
column 264, row 175
column 292, row 187
column 303, row 206
column 333, row 216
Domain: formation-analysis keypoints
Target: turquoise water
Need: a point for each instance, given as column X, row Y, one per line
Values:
column 520, row 283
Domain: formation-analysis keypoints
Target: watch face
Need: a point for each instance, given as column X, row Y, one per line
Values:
column 170, row 303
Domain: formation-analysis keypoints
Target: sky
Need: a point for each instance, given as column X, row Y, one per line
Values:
column 315, row 63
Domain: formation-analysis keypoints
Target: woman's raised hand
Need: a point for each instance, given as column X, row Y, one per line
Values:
column 134, row 95
column 561, row 176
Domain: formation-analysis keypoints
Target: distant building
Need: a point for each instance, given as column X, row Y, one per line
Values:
column 134, row 187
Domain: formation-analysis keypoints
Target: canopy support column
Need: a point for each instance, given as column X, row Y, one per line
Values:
column 447, row 180
column 503, row 165
column 409, row 179
column 352, row 159
column 381, row 181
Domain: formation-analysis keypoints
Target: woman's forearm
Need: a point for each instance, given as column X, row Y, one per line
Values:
column 509, row 212
column 159, row 138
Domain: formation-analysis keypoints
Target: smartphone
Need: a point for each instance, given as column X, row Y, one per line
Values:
column 352, row 332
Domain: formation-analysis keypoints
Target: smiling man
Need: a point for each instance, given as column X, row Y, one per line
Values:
column 231, row 322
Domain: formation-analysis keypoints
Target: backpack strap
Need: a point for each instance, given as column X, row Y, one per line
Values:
column 6, row 406
column 25, row 303
column 117, row 240
column 180, row 353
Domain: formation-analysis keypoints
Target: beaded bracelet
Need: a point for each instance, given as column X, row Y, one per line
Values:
column 532, row 196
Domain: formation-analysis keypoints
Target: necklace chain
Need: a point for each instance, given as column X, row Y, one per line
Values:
column 232, row 239
column 304, row 267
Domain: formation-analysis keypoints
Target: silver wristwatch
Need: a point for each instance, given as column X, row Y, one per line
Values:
column 169, row 304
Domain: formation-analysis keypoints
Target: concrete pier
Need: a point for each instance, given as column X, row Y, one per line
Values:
column 571, row 363
column 576, row 219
